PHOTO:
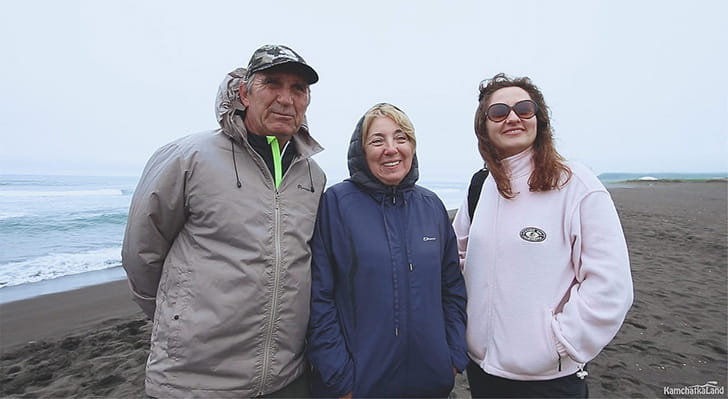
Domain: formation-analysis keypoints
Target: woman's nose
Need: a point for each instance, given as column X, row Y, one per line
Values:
column 390, row 147
column 512, row 116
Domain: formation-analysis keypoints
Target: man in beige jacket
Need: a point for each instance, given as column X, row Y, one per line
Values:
column 216, row 245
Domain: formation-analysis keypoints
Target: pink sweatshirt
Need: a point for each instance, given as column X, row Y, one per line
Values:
column 547, row 274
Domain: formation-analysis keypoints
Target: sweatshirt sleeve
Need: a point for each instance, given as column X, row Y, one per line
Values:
column 156, row 215
column 461, row 225
column 327, row 349
column 453, row 299
column 599, row 302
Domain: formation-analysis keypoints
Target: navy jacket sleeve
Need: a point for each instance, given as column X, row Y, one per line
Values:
column 453, row 297
column 327, row 349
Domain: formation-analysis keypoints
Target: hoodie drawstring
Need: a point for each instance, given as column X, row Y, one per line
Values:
column 408, row 252
column 235, row 165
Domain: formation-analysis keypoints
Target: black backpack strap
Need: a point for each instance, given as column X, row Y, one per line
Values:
column 476, row 186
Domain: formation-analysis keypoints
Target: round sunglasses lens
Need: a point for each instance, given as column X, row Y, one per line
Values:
column 498, row 112
column 525, row 109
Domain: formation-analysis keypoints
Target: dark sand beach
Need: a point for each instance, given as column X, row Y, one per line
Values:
column 93, row 342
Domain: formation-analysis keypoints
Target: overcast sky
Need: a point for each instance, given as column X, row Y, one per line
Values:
column 94, row 87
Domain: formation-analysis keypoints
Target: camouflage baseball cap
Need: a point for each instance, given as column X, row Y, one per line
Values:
column 272, row 55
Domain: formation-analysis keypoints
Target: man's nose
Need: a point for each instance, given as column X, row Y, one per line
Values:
column 285, row 96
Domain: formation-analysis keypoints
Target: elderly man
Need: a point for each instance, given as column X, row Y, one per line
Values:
column 216, row 245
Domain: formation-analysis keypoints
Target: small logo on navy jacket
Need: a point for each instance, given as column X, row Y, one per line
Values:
column 426, row 238
column 533, row 234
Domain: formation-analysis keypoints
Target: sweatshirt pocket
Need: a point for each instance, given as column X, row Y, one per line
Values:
column 527, row 348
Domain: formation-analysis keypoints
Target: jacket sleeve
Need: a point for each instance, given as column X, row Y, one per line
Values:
column 461, row 225
column 599, row 301
column 327, row 350
column 156, row 215
column 453, row 298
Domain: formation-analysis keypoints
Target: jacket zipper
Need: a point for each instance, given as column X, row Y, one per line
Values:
column 274, row 299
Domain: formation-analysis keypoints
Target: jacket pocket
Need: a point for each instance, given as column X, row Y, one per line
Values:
column 171, row 314
column 439, row 380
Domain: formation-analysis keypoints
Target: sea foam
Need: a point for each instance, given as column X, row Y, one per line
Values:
column 61, row 193
column 58, row 265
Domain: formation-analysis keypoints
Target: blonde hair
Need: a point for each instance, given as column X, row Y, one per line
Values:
column 384, row 110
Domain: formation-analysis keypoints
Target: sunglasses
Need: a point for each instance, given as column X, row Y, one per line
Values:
column 525, row 109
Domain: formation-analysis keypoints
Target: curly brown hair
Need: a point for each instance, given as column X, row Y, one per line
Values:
column 550, row 171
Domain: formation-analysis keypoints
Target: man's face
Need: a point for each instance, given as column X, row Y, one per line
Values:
column 276, row 103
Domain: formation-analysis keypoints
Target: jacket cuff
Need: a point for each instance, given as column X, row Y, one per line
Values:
column 146, row 303
column 342, row 385
column 560, row 348
column 460, row 360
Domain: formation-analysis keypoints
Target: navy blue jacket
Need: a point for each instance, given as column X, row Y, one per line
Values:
column 388, row 299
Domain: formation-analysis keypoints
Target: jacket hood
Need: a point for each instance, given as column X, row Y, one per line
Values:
column 228, row 105
column 359, row 170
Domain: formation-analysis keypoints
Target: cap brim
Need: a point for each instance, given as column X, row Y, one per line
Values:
column 303, row 70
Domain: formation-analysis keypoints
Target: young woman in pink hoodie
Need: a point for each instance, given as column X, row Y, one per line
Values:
column 544, row 258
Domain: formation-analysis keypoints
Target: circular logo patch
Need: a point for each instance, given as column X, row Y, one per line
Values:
column 533, row 234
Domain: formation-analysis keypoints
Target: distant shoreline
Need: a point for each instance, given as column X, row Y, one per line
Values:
column 612, row 177
column 712, row 180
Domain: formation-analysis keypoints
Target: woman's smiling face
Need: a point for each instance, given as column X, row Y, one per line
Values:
column 513, row 135
column 388, row 151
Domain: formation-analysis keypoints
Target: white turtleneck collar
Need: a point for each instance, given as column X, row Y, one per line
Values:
column 519, row 165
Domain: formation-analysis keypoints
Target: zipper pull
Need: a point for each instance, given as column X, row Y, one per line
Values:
column 411, row 267
column 396, row 331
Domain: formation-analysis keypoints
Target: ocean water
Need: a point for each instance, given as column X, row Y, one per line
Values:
column 57, row 226
column 63, row 232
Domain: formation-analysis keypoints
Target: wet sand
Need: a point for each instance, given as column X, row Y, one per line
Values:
column 94, row 341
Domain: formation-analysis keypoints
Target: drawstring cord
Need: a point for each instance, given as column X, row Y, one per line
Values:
column 235, row 165
column 237, row 176
column 582, row 373
column 410, row 260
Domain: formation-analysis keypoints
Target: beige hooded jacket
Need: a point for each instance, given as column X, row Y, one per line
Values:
column 223, row 268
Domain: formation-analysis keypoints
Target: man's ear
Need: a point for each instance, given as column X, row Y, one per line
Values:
column 243, row 93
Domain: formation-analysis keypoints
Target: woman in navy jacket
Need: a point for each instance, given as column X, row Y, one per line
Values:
column 388, row 298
